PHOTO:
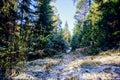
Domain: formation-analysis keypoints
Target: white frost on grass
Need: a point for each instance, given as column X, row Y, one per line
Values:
column 73, row 66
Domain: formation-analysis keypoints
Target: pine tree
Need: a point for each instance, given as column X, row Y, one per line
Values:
column 66, row 33
column 102, row 26
column 9, row 50
column 82, row 9
column 44, row 24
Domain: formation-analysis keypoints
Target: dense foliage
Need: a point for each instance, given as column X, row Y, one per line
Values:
column 31, row 29
column 27, row 31
column 9, row 40
column 100, row 29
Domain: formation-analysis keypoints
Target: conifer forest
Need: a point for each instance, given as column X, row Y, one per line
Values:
column 35, row 46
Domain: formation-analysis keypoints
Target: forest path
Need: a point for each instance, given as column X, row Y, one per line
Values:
column 73, row 67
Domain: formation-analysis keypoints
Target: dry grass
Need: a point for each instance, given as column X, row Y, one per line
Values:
column 77, row 63
column 112, row 52
column 90, row 64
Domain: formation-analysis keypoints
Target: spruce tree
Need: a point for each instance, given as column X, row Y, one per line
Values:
column 9, row 49
column 66, row 33
column 44, row 24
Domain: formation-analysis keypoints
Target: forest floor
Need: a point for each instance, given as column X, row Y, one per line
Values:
column 73, row 66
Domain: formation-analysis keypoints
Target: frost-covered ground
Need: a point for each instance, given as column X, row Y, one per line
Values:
column 73, row 67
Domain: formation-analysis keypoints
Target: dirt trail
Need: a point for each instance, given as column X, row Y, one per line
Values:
column 73, row 67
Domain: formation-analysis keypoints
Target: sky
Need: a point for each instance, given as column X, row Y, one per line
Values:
column 66, row 10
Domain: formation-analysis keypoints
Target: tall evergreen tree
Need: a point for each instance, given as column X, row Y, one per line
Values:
column 9, row 40
column 101, row 26
column 66, row 33
column 44, row 24
column 26, row 12
column 82, row 9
